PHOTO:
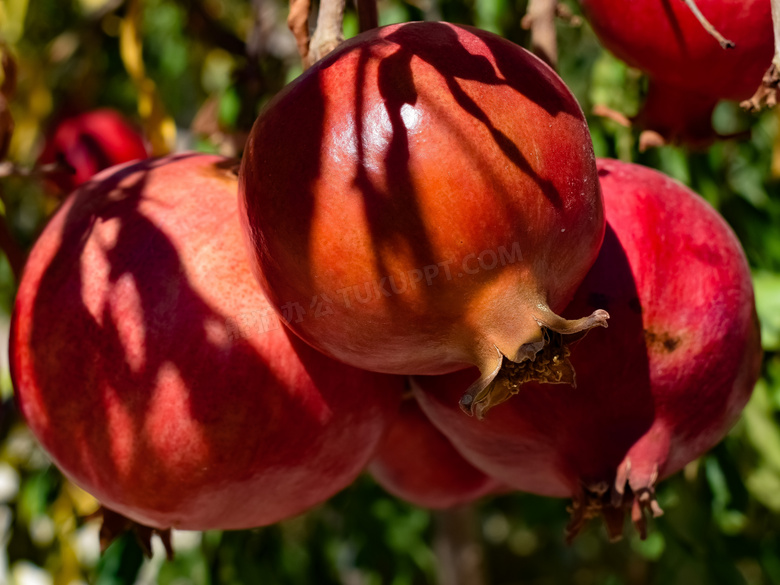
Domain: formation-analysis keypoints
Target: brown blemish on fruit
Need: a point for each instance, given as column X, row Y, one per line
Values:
column 663, row 341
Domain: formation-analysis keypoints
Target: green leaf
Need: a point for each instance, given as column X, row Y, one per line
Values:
column 767, row 290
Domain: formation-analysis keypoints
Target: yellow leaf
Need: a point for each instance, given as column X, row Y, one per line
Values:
column 159, row 127
column 130, row 45
column 12, row 15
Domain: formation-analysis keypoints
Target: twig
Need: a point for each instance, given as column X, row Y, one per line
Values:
column 368, row 15
column 298, row 21
column 604, row 111
column 724, row 42
column 766, row 94
column 329, row 32
column 458, row 547
column 9, row 169
column 566, row 15
column 650, row 139
column 540, row 19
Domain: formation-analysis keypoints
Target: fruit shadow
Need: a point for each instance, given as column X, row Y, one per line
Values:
column 125, row 410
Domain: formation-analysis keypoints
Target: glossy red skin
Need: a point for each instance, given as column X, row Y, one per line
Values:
column 89, row 143
column 410, row 146
column 662, row 385
column 418, row 464
column 140, row 360
column 664, row 39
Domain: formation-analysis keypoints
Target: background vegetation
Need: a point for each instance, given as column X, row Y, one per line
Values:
column 194, row 74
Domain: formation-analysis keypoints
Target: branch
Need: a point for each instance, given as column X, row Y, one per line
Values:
column 9, row 169
column 766, row 94
column 458, row 547
column 565, row 14
column 298, row 22
column 604, row 111
column 368, row 15
column 329, row 33
column 724, row 42
column 540, row 19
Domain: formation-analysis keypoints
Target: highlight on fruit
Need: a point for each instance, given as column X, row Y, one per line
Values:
column 420, row 145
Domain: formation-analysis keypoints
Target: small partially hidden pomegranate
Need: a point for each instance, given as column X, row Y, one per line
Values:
column 656, row 390
column 689, row 69
column 157, row 377
column 422, row 200
column 89, row 143
column 418, row 464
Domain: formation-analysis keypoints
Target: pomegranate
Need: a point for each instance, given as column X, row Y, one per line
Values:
column 689, row 70
column 154, row 373
column 662, row 386
column 89, row 143
column 423, row 199
column 416, row 463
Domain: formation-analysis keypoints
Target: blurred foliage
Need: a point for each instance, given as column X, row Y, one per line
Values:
column 194, row 74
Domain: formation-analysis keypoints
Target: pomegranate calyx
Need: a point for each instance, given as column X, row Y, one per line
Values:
column 480, row 390
column 611, row 504
column 115, row 525
column 553, row 322
column 545, row 360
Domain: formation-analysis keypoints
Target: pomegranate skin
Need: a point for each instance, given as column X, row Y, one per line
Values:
column 89, row 143
column 153, row 372
column 655, row 391
column 664, row 39
column 689, row 71
column 425, row 197
column 418, row 464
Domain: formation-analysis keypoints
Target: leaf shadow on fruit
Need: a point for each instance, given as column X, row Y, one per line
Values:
column 391, row 196
column 391, row 202
column 671, row 17
column 170, row 400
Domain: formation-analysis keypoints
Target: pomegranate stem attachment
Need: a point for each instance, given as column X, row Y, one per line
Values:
column 724, row 42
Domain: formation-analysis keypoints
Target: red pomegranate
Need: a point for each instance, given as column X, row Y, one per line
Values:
column 89, row 143
column 154, row 373
column 418, row 464
column 660, row 387
column 422, row 200
column 689, row 70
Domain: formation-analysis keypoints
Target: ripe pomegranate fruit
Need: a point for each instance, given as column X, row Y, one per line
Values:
column 416, row 463
column 689, row 70
column 662, row 386
column 89, row 143
column 423, row 199
column 152, row 370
